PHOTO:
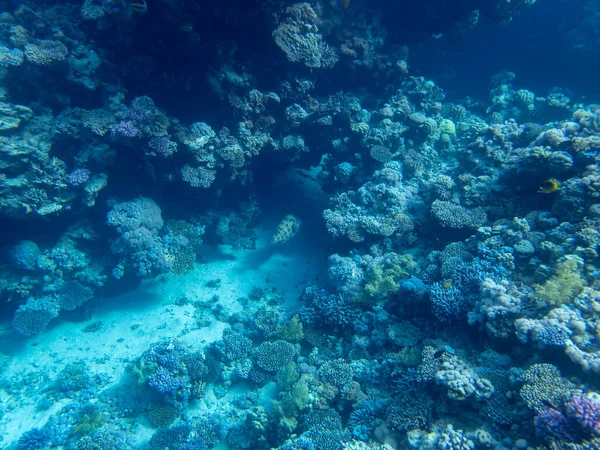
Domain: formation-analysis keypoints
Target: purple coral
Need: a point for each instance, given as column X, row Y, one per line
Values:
column 585, row 408
column 126, row 128
column 552, row 423
column 171, row 364
column 161, row 146
column 144, row 251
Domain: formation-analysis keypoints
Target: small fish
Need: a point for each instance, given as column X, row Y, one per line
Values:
column 547, row 404
column 79, row 427
column 447, row 284
column 138, row 6
column 548, row 186
column 438, row 354
column 186, row 28
column 404, row 276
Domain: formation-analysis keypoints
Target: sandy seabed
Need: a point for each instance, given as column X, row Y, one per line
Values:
column 131, row 322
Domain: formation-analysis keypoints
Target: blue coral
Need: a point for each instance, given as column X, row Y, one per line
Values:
column 103, row 439
column 170, row 374
column 447, row 302
column 323, row 431
column 34, row 316
column 337, row 373
column 165, row 382
column 36, row 439
column 365, row 417
column 327, row 309
column 179, row 437
column 451, row 439
column 235, row 345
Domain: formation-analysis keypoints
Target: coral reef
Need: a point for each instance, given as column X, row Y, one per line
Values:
column 146, row 147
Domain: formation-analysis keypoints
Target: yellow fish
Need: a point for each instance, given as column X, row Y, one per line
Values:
column 548, row 186
column 138, row 6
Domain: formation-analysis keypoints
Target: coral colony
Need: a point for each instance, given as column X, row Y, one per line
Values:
column 268, row 225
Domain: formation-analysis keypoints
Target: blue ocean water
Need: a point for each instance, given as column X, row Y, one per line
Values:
column 321, row 225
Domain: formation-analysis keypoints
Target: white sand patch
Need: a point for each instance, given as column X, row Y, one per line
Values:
column 134, row 320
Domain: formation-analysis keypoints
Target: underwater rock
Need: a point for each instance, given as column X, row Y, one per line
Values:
column 23, row 255
column 11, row 115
